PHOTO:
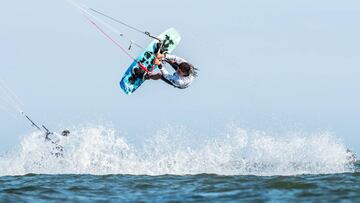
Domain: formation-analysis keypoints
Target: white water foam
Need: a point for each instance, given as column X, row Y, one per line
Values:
column 99, row 150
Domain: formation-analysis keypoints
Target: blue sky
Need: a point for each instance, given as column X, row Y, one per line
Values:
column 265, row 65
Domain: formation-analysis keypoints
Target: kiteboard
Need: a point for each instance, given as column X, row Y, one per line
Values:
column 143, row 65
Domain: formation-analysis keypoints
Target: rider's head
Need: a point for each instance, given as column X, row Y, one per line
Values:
column 185, row 69
column 65, row 132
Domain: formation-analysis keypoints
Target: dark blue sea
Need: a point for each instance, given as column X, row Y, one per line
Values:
column 97, row 164
column 343, row 187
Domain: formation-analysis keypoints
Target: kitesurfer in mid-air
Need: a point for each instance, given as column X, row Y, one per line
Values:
column 184, row 72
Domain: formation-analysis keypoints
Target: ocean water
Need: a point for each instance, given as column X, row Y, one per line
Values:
column 96, row 164
column 190, row 188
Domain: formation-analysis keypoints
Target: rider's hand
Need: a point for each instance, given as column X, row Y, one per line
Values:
column 157, row 61
column 160, row 56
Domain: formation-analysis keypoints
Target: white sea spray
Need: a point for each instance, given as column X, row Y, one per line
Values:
column 101, row 150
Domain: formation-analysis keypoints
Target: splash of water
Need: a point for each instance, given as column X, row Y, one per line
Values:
column 99, row 150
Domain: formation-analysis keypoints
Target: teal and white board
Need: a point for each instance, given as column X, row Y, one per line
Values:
column 170, row 38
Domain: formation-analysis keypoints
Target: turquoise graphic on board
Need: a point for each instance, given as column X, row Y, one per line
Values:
column 131, row 80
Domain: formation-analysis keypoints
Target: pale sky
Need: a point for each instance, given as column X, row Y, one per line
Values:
column 264, row 65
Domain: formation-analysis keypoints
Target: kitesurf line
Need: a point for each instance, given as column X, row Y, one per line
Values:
column 7, row 111
column 14, row 102
column 47, row 131
column 88, row 16
column 15, row 97
column 118, row 45
column 32, row 122
column 127, row 25
column 6, row 103
column 9, row 97
column 110, row 38
column 85, row 11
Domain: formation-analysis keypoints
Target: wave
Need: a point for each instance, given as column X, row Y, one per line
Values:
column 100, row 150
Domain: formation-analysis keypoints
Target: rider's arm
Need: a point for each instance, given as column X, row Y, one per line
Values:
column 174, row 58
column 175, row 79
column 169, row 57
